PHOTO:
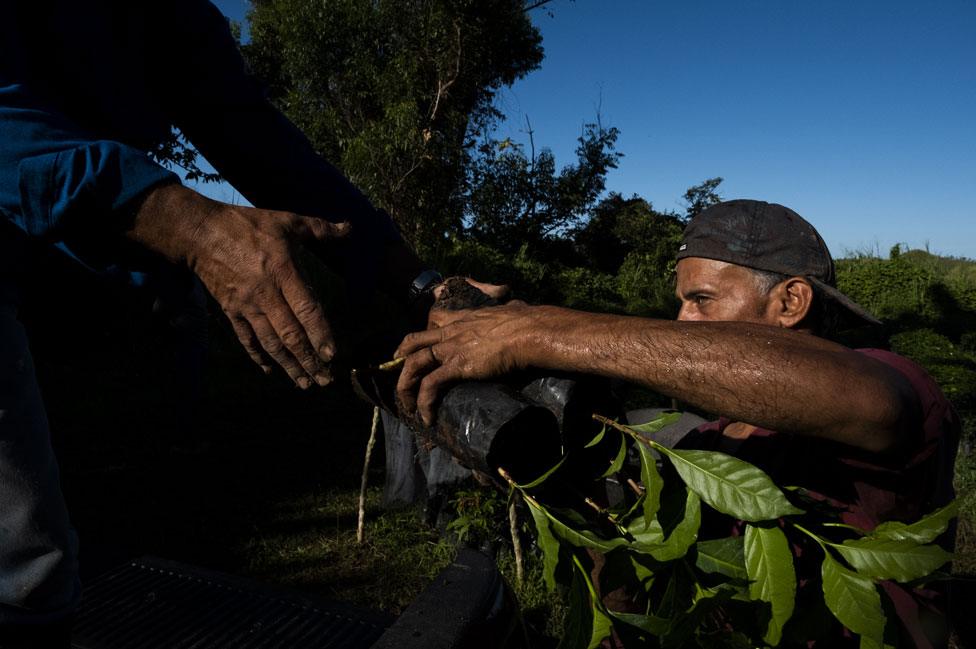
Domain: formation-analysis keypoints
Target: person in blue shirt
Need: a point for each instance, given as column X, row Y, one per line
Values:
column 87, row 89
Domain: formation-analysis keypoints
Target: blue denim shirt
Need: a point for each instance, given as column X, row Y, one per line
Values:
column 87, row 87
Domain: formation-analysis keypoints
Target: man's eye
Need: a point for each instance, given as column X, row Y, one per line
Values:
column 700, row 299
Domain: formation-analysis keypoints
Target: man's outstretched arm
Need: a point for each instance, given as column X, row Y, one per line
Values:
column 767, row 376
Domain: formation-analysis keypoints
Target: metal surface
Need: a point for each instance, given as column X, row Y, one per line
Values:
column 151, row 603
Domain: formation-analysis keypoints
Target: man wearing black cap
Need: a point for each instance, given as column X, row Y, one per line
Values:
column 866, row 429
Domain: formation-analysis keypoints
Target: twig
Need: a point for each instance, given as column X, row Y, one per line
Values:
column 362, row 489
column 636, row 488
column 516, row 542
column 392, row 365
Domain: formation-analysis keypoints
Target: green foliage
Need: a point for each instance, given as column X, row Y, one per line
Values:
column 479, row 516
column 701, row 196
column 516, row 199
column 730, row 485
column 724, row 592
column 928, row 304
column 854, row 600
column 924, row 531
column 723, row 556
column 952, row 368
column 769, row 567
column 394, row 92
column 175, row 152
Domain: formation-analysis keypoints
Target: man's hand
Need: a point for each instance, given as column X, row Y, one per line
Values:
column 478, row 344
column 445, row 309
column 245, row 258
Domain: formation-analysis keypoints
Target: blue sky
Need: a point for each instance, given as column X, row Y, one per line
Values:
column 861, row 116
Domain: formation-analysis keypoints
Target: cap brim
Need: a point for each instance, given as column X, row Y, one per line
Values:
column 850, row 305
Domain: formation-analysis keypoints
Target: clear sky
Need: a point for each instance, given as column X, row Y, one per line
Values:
column 861, row 116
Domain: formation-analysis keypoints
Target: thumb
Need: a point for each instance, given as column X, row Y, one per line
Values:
column 316, row 228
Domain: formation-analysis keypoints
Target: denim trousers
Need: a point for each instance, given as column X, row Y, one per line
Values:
column 38, row 548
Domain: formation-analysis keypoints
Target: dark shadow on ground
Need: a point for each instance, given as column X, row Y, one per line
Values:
column 145, row 470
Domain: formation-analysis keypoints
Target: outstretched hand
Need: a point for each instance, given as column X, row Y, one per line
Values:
column 478, row 344
column 246, row 258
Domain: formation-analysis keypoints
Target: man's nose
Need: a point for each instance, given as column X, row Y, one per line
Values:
column 687, row 312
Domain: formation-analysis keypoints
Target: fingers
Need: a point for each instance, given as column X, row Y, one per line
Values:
column 496, row 291
column 414, row 341
column 415, row 367
column 424, row 375
column 248, row 339
column 292, row 335
column 310, row 226
column 310, row 315
column 273, row 346
column 431, row 386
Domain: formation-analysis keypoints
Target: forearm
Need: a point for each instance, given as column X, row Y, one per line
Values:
column 770, row 377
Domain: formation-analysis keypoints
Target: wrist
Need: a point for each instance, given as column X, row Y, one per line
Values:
column 556, row 338
column 169, row 222
column 535, row 341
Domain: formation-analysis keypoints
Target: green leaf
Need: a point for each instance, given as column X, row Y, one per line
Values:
column 618, row 461
column 925, row 530
column 599, row 437
column 683, row 626
column 602, row 624
column 578, row 538
column 579, row 619
column 651, row 539
column 652, row 481
column 656, row 424
column 648, row 623
column 723, row 556
column 769, row 564
column 545, row 476
column 886, row 559
column 730, row 485
column 853, row 600
column 601, row 629
column 677, row 590
column 868, row 643
column 547, row 543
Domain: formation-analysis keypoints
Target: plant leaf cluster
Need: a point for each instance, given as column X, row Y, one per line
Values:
column 734, row 591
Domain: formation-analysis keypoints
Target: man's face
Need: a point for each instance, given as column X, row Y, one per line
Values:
column 714, row 291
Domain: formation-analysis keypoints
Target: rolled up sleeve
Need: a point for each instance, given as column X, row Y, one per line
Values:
column 65, row 187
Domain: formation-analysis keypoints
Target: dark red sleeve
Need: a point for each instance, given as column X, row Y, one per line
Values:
column 941, row 427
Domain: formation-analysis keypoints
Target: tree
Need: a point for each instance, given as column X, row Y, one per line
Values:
column 619, row 226
column 517, row 200
column 701, row 196
column 176, row 153
column 394, row 92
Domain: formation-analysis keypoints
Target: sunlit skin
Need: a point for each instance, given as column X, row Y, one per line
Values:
column 733, row 351
column 714, row 291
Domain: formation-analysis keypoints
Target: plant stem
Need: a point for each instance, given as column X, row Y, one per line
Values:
column 634, row 434
column 391, row 365
column 516, row 542
column 636, row 488
column 813, row 536
column 361, row 522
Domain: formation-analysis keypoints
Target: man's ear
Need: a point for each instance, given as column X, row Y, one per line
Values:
column 793, row 300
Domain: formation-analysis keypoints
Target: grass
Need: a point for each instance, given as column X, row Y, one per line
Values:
column 311, row 545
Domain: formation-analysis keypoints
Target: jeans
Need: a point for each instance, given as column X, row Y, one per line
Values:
column 39, row 582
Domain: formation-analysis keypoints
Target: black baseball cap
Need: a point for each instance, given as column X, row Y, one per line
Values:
column 770, row 237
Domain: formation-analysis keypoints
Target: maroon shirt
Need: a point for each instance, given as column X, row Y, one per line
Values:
column 867, row 488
